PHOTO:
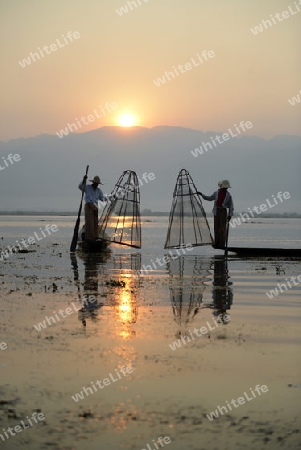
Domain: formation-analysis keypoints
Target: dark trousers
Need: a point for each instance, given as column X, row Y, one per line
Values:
column 91, row 219
column 220, row 227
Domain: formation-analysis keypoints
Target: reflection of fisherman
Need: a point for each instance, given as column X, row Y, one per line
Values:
column 222, row 201
column 89, row 309
column 92, row 195
column 89, row 300
column 222, row 294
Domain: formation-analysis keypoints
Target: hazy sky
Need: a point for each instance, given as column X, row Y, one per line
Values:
column 117, row 58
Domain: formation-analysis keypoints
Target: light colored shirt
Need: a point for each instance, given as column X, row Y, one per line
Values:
column 91, row 195
column 227, row 203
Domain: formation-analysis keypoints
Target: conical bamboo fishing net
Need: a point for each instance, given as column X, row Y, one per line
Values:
column 187, row 221
column 120, row 220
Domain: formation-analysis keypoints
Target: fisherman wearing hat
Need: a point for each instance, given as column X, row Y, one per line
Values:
column 222, row 200
column 92, row 194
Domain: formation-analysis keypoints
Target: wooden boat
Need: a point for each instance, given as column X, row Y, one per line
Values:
column 93, row 246
column 263, row 251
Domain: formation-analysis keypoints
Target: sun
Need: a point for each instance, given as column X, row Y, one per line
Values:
column 127, row 120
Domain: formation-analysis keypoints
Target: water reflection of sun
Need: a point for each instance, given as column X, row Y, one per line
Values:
column 126, row 312
column 125, row 306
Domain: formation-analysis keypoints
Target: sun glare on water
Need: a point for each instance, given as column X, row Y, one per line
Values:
column 127, row 120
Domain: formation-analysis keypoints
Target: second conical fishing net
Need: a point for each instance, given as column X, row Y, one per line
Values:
column 120, row 221
column 187, row 221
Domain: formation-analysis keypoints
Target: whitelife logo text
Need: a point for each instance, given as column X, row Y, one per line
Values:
column 241, row 401
column 106, row 381
column 259, row 209
column 49, row 49
column 222, row 138
column 85, row 120
column 183, row 68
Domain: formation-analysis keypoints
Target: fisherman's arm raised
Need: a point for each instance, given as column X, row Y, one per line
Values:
column 80, row 186
column 209, row 198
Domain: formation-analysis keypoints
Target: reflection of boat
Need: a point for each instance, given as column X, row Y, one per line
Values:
column 262, row 251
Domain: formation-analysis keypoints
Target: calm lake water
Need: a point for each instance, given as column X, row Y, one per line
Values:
column 50, row 262
column 134, row 321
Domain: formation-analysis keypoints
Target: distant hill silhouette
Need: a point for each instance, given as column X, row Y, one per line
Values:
column 47, row 176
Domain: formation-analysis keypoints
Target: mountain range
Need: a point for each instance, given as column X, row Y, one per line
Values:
column 49, row 170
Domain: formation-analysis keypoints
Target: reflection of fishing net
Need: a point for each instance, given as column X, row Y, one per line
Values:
column 120, row 220
column 187, row 283
column 187, row 221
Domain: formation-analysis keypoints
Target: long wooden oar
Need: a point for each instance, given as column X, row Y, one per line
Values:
column 76, row 228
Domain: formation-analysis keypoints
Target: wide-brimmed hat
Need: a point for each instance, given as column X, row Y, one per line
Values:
column 225, row 184
column 96, row 180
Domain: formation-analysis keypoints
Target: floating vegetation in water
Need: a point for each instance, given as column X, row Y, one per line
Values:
column 115, row 283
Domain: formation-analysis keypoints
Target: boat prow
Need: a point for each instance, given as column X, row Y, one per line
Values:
column 263, row 251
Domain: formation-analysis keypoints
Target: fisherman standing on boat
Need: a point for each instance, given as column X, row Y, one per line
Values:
column 92, row 194
column 222, row 201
